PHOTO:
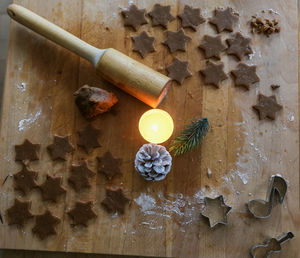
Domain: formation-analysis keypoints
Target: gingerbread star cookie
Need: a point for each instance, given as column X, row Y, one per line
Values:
column 178, row 70
column 27, row 151
column 19, row 213
column 224, row 19
column 51, row 189
column 212, row 46
column 161, row 15
column 82, row 213
column 60, row 147
column 143, row 44
column 25, row 180
column 45, row 225
column 176, row 40
column 213, row 73
column 80, row 176
column 115, row 200
column 239, row 46
column 134, row 17
column 109, row 166
column 245, row 75
column 88, row 138
column 191, row 17
column 267, row 107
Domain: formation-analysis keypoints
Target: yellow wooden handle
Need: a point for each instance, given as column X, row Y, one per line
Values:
column 54, row 33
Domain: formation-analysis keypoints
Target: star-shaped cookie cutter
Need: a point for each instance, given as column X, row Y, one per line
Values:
column 216, row 211
column 262, row 209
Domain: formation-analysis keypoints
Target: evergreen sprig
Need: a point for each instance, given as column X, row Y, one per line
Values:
column 190, row 137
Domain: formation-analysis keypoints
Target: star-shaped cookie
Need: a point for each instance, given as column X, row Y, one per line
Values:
column 245, row 75
column 191, row 17
column 80, row 176
column 88, row 138
column 51, row 189
column 134, row 17
column 161, row 15
column 178, row 70
column 25, row 180
column 60, row 147
column 115, row 200
column 143, row 44
column 27, row 151
column 45, row 225
column 224, row 19
column 239, row 46
column 176, row 40
column 215, row 210
column 19, row 213
column 213, row 73
column 212, row 46
column 267, row 107
column 82, row 213
column 109, row 166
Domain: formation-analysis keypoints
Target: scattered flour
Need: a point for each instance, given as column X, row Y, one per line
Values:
column 243, row 177
column 181, row 208
column 22, row 86
column 291, row 117
column 25, row 123
column 146, row 202
column 209, row 173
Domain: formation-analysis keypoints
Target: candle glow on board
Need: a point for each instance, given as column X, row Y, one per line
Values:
column 156, row 126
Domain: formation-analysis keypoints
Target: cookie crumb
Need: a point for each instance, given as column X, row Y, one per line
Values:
column 275, row 86
column 264, row 25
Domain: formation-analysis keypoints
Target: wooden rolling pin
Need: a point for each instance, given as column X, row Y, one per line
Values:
column 129, row 75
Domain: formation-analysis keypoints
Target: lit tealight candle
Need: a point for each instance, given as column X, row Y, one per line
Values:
column 156, row 126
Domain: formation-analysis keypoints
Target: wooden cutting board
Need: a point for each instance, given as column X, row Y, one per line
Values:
column 163, row 218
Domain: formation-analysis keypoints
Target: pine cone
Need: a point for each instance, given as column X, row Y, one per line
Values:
column 153, row 162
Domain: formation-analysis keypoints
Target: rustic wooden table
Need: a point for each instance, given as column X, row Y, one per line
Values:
column 236, row 144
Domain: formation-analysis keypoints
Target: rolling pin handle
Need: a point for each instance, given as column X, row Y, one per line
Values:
column 54, row 33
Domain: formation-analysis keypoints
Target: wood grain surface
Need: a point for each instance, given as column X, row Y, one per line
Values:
column 241, row 151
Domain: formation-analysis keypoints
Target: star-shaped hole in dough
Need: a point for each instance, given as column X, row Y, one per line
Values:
column 109, row 166
column 239, row 46
column 176, row 40
column 178, row 70
column 80, row 176
column 25, row 180
column 213, row 74
column 267, row 107
column 245, row 75
column 60, row 147
column 115, row 200
column 88, row 138
column 161, row 15
column 134, row 17
column 212, row 46
column 143, row 44
column 27, row 151
column 224, row 19
column 82, row 213
column 45, row 225
column 215, row 210
column 19, row 213
column 191, row 17
column 52, row 188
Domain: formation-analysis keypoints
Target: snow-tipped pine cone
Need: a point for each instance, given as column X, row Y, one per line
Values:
column 153, row 162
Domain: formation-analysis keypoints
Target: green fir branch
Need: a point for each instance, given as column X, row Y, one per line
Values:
column 190, row 137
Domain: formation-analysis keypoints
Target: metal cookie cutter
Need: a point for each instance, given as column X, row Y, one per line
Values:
column 272, row 245
column 215, row 210
column 262, row 209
